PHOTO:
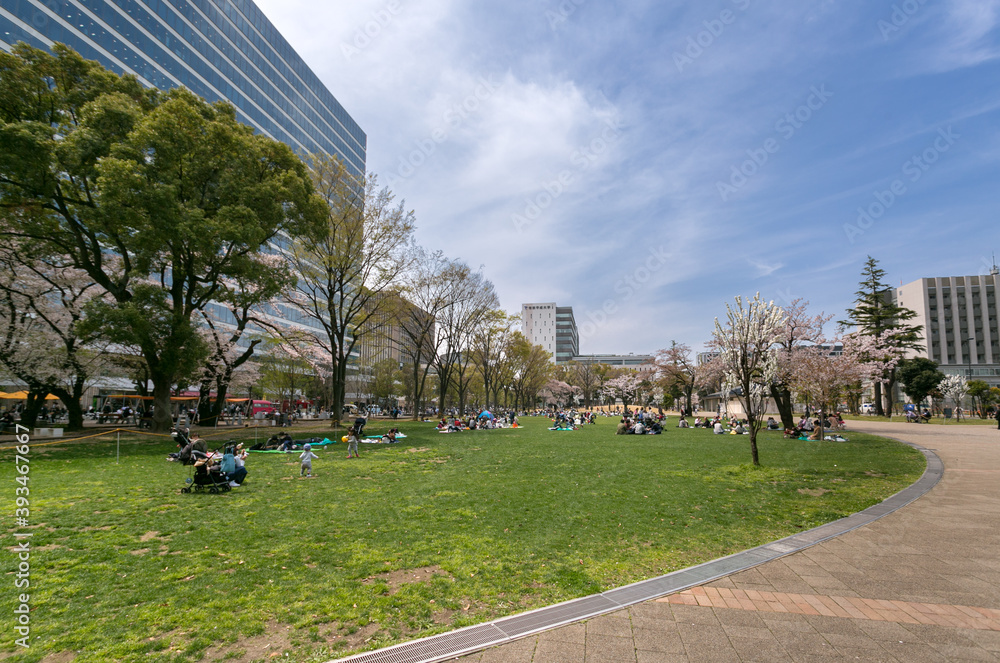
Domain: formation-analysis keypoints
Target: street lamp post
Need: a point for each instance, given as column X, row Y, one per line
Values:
column 968, row 358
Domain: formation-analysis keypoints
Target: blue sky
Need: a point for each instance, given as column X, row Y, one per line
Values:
column 655, row 159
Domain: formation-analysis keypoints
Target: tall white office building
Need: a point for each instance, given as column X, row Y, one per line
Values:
column 959, row 317
column 552, row 327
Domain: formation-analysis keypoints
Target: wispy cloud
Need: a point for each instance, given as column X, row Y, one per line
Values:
column 481, row 112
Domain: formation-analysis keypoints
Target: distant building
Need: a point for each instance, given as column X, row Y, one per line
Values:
column 705, row 357
column 959, row 317
column 552, row 327
column 633, row 362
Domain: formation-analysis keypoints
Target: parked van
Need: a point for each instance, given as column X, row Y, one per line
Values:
column 867, row 408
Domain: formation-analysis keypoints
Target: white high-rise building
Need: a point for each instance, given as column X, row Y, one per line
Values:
column 959, row 317
column 552, row 327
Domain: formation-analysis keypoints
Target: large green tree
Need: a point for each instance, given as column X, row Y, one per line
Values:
column 876, row 314
column 159, row 197
column 919, row 377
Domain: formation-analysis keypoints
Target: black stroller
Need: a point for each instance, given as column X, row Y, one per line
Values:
column 206, row 476
column 359, row 426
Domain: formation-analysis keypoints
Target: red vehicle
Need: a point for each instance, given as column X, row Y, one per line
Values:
column 267, row 407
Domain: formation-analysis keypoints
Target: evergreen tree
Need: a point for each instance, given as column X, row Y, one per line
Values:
column 877, row 314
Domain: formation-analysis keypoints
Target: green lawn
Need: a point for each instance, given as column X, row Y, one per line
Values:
column 434, row 533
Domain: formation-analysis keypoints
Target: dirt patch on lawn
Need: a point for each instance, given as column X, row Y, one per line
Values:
column 273, row 643
column 813, row 492
column 61, row 657
column 397, row 579
column 282, row 638
column 415, row 450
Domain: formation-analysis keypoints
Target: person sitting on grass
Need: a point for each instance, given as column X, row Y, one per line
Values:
column 740, row 429
column 772, row 424
column 718, row 429
column 623, row 428
column 817, row 432
column 698, row 423
column 683, row 423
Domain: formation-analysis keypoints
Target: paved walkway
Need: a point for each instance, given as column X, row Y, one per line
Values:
column 921, row 584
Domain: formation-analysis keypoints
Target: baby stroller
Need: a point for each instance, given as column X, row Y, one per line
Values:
column 206, row 475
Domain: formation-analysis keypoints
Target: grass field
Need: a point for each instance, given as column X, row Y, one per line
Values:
column 434, row 533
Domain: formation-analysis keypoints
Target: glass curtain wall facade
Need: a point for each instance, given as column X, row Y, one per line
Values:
column 219, row 49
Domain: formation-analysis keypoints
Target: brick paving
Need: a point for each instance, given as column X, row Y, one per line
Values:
column 848, row 607
column 921, row 584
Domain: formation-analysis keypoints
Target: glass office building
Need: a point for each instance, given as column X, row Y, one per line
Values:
column 219, row 49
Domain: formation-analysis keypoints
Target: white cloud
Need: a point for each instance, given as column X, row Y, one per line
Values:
column 764, row 268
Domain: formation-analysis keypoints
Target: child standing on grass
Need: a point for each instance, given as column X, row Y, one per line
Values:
column 352, row 444
column 306, row 457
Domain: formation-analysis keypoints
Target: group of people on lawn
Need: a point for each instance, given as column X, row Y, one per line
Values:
column 476, row 423
column 644, row 423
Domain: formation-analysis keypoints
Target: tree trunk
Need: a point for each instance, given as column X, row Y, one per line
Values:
column 337, row 388
column 29, row 415
column 221, row 391
column 74, row 413
column 205, row 404
column 753, row 445
column 162, row 417
column 71, row 400
column 783, row 400
column 879, row 409
column 890, row 388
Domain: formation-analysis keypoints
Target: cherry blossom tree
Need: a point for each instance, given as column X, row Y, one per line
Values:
column 822, row 375
column 558, row 393
column 879, row 354
column 233, row 328
column 954, row 388
column 625, row 387
column 41, row 303
column 675, row 367
column 801, row 331
column 746, row 344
